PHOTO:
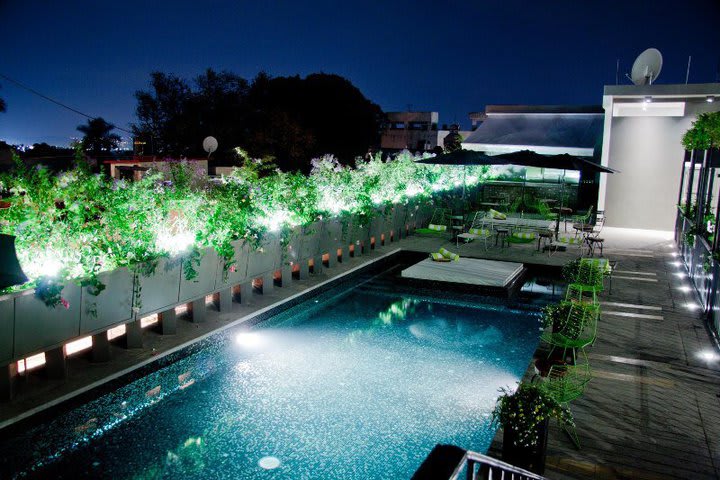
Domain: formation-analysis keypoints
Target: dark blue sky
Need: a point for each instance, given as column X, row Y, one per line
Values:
column 452, row 57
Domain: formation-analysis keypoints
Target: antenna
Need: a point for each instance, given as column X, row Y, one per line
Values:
column 687, row 73
column 210, row 144
column 647, row 67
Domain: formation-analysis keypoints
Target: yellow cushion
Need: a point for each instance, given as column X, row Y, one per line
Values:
column 439, row 228
column 438, row 257
column 497, row 215
column 482, row 232
column 448, row 254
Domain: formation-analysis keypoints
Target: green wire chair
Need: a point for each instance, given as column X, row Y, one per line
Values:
column 588, row 279
column 577, row 331
column 566, row 383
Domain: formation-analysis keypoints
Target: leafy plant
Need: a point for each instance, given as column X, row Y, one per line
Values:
column 526, row 409
column 559, row 317
column 49, row 290
column 190, row 261
column 704, row 132
column 582, row 271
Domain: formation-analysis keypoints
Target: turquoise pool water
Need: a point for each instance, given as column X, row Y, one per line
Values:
column 359, row 383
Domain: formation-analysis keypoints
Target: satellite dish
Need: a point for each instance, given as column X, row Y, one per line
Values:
column 210, row 144
column 647, row 67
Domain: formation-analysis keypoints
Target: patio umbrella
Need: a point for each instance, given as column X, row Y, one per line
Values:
column 562, row 161
column 464, row 158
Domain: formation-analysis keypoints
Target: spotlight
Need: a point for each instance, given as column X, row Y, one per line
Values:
column 685, row 288
column 648, row 99
column 692, row 306
column 708, row 356
column 249, row 339
column 710, row 99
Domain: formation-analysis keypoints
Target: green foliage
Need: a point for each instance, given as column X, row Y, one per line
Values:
column 525, row 410
column 582, row 271
column 78, row 224
column 49, row 290
column 704, row 132
column 190, row 261
column 567, row 317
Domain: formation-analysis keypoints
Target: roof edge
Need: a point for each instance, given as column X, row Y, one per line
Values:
column 544, row 109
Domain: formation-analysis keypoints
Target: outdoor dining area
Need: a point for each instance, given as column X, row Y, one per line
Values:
column 544, row 215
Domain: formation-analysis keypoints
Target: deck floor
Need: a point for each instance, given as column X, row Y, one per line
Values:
column 652, row 409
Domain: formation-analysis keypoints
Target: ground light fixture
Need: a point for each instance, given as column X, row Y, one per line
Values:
column 692, row 306
column 708, row 355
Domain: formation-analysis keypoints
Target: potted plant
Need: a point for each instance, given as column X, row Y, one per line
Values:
column 524, row 415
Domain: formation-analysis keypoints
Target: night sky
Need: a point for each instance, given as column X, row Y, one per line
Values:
column 452, row 57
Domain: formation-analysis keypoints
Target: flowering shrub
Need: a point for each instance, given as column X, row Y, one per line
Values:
column 526, row 409
column 77, row 224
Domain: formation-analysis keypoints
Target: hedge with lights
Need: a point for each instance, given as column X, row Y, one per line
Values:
column 77, row 224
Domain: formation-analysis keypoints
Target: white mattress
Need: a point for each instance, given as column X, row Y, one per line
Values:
column 470, row 271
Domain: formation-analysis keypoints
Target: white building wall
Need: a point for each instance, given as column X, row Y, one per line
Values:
column 648, row 153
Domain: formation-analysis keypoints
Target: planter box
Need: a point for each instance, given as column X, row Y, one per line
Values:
column 7, row 328
column 400, row 221
column 241, row 263
column 204, row 282
column 265, row 259
column 332, row 236
column 161, row 289
column 39, row 327
column 311, row 240
column 112, row 306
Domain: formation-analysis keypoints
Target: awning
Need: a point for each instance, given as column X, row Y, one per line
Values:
column 546, row 133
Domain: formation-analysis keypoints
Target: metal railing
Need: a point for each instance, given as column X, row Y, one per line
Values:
column 482, row 467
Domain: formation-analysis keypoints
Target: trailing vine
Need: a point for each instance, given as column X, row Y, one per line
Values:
column 190, row 262
column 49, row 290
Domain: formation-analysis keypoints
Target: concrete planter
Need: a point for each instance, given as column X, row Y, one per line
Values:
column 112, row 306
column 204, row 282
column 238, row 273
column 7, row 328
column 399, row 221
column 311, row 238
column 332, row 237
column 39, row 327
column 266, row 258
column 159, row 290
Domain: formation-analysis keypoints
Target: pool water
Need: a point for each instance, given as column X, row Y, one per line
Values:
column 359, row 382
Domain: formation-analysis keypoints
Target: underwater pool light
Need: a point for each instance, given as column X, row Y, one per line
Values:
column 269, row 463
column 249, row 339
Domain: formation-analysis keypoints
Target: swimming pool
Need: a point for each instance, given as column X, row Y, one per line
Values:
column 359, row 382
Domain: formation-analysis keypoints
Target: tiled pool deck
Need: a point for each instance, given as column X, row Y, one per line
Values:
column 651, row 411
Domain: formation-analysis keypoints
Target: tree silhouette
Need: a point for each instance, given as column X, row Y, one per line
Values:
column 98, row 139
column 292, row 119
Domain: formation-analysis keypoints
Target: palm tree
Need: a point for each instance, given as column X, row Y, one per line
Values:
column 98, row 139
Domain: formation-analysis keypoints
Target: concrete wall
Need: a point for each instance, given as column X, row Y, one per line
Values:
column 648, row 153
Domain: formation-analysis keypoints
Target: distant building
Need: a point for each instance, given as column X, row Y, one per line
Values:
column 411, row 130
column 415, row 131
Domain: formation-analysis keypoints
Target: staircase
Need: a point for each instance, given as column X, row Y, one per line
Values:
column 449, row 462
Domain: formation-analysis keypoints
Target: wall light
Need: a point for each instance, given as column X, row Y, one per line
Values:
column 710, row 99
column 648, row 99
